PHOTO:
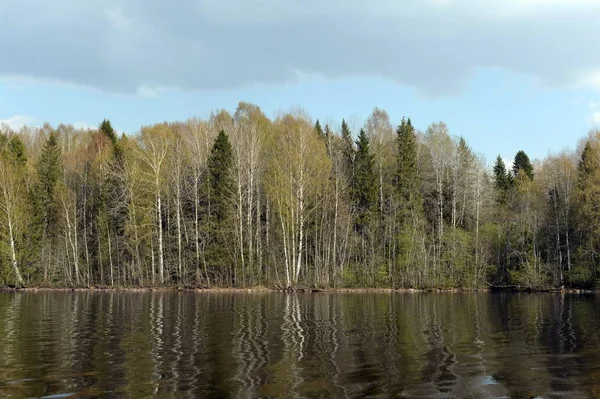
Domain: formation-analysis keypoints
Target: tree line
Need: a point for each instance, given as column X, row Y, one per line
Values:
column 241, row 200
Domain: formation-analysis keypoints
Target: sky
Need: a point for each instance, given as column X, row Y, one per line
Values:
column 507, row 75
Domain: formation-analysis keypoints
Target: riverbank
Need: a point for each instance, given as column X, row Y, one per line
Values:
column 260, row 289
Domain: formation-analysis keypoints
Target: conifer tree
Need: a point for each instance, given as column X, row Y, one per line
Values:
column 502, row 179
column 348, row 151
column 319, row 129
column 364, row 188
column 221, row 184
column 220, row 188
column 50, row 172
column 407, row 173
column 16, row 151
column 523, row 163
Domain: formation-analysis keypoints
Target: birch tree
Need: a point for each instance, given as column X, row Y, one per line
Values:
column 12, row 217
column 153, row 150
column 300, row 167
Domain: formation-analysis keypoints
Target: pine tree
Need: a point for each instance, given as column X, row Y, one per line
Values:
column 407, row 182
column 364, row 190
column 523, row 163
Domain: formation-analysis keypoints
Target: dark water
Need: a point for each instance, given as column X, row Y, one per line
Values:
column 55, row 344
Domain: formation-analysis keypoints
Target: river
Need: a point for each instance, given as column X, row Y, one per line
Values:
column 306, row 345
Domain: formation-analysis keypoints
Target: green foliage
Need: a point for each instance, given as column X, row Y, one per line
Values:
column 221, row 183
column 16, row 151
column 364, row 187
column 407, row 174
column 502, row 180
column 319, row 129
column 522, row 163
column 350, row 278
column 403, row 210
column 50, row 172
column 348, row 150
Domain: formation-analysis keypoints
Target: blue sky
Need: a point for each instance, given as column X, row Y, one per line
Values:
column 507, row 75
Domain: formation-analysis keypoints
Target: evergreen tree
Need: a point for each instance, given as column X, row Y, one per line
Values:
column 50, row 170
column 220, row 188
column 319, row 129
column 502, row 179
column 16, row 151
column 348, row 151
column 328, row 137
column 523, row 163
column 107, row 129
column 221, row 183
column 407, row 182
column 364, row 190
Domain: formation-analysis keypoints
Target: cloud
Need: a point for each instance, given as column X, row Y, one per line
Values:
column 16, row 122
column 136, row 46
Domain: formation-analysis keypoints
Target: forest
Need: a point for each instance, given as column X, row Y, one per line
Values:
column 244, row 201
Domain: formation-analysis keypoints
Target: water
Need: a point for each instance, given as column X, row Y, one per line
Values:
column 157, row 344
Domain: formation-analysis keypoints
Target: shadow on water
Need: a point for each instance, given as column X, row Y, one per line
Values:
column 349, row 345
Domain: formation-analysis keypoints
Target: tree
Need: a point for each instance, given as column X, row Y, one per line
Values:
column 522, row 162
column 407, row 174
column 319, row 129
column 299, row 171
column 221, row 184
column 153, row 150
column 588, row 188
column 381, row 137
column 348, row 152
column 502, row 179
column 221, row 189
column 49, row 174
column 12, row 210
column 364, row 187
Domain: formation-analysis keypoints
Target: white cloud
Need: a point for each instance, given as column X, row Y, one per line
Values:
column 16, row 122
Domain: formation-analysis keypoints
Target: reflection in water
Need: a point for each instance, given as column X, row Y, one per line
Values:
column 88, row 344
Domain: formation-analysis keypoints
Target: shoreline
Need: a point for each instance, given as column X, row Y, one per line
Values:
column 296, row 290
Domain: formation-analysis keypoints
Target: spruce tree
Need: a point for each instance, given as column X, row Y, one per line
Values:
column 319, row 129
column 49, row 174
column 107, row 129
column 348, row 151
column 407, row 183
column 502, row 179
column 364, row 188
column 523, row 163
column 220, row 187
column 221, row 183
column 16, row 151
